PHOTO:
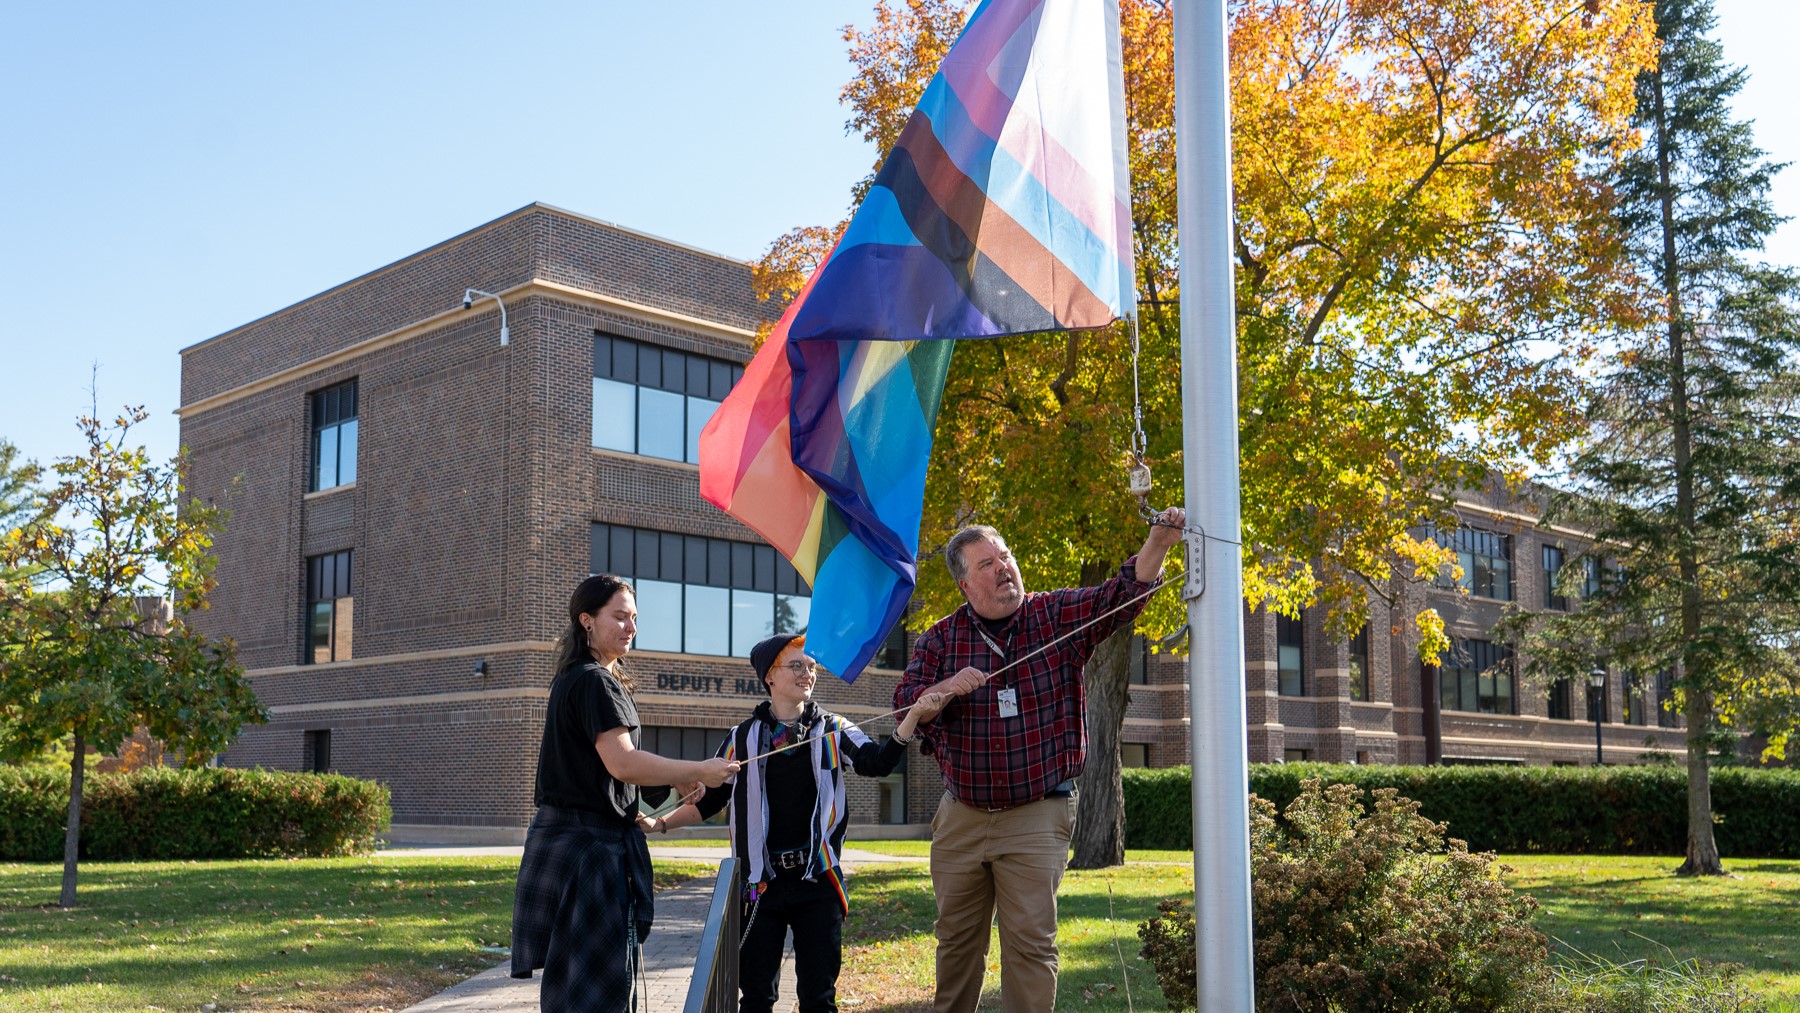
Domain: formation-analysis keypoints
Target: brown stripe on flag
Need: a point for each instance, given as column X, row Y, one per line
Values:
column 998, row 237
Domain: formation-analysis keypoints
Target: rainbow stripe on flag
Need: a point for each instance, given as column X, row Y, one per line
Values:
column 1004, row 208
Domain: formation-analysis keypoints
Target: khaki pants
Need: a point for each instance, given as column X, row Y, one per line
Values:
column 1010, row 862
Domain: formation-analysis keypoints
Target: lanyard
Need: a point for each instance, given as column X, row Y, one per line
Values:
column 983, row 633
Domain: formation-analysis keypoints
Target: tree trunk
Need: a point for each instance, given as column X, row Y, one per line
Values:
column 1702, row 850
column 72, row 835
column 1100, row 811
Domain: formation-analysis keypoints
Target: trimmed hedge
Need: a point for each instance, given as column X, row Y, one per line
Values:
column 165, row 813
column 1557, row 810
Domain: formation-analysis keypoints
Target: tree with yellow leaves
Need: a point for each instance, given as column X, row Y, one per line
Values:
column 1425, row 245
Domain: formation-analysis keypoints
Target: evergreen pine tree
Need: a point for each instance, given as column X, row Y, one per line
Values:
column 1691, row 478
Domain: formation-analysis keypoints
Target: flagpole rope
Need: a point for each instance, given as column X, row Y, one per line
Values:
column 1160, row 584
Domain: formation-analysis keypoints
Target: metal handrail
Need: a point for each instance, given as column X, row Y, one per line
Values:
column 714, row 987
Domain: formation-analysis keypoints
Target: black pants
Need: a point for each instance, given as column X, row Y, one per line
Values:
column 811, row 910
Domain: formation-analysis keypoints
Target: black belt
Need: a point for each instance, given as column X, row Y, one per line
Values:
column 796, row 859
column 1063, row 790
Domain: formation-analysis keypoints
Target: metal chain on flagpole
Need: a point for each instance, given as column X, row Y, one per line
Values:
column 1137, row 472
column 1139, row 442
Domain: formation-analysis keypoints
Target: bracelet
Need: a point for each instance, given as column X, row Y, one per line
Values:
column 905, row 741
column 662, row 825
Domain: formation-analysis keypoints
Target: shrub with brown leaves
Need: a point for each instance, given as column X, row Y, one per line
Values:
column 1366, row 911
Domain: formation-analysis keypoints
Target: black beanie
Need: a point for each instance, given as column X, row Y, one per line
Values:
column 764, row 654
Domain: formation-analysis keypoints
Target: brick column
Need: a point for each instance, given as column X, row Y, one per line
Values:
column 1262, row 705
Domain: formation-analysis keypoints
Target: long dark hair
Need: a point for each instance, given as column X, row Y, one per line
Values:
column 591, row 595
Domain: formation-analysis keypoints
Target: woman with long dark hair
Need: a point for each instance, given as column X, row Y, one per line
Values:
column 584, row 899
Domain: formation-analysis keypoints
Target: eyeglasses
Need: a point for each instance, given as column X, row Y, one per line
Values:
column 801, row 667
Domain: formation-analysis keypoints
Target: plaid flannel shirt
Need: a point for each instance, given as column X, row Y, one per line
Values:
column 992, row 762
column 584, row 889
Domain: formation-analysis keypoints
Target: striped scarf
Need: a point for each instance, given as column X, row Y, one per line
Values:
column 749, row 813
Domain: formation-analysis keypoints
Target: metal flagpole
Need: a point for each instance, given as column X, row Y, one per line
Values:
column 1215, row 592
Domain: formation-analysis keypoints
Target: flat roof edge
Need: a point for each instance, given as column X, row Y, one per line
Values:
column 508, row 216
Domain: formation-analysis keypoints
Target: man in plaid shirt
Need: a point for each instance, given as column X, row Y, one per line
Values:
column 1010, row 746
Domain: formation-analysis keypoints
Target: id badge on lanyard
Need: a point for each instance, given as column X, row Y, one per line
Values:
column 1008, row 698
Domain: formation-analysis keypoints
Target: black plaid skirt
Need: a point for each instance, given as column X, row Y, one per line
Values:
column 582, row 887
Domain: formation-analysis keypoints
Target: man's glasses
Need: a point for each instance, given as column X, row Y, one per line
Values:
column 801, row 667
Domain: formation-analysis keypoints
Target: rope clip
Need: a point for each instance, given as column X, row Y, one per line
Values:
column 1137, row 481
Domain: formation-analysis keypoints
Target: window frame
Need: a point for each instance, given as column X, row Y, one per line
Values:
column 1666, row 717
column 1357, row 666
column 316, row 751
column 1473, row 546
column 1297, row 626
column 1636, row 700
column 700, row 563
column 1473, row 662
column 891, row 794
column 330, row 581
column 692, row 377
column 1552, row 600
column 334, row 409
column 1561, row 697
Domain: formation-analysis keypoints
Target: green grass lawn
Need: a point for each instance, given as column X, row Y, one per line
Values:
column 382, row 932
column 314, row 934
column 1629, row 908
column 889, row 949
column 1619, row 908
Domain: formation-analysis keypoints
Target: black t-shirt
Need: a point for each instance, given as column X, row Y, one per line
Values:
column 585, row 700
column 793, row 792
column 996, row 628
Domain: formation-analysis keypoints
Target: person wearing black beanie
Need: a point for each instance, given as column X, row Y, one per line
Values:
column 788, row 819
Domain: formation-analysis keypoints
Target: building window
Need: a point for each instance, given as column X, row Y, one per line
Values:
column 654, row 401
column 1140, row 661
column 1562, row 700
column 329, row 608
column 893, row 651
column 1635, row 714
column 1295, row 755
column 890, row 791
column 1359, row 664
column 1553, row 563
column 1666, row 715
column 1477, row 676
column 333, row 436
column 1590, row 576
column 700, row 595
column 1290, row 656
column 1486, row 561
column 682, row 743
column 685, row 744
column 316, row 751
column 1134, row 754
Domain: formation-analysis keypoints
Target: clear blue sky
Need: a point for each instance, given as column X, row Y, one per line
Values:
column 170, row 171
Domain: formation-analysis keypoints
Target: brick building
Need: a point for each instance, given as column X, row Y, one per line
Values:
column 412, row 502
column 1315, row 696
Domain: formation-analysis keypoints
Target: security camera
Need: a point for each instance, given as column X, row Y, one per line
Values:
column 467, row 301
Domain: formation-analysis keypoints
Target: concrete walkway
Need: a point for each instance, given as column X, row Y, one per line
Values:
column 669, row 954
